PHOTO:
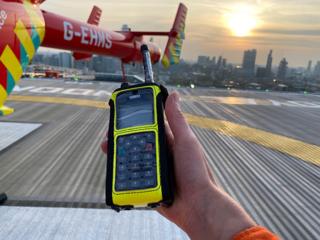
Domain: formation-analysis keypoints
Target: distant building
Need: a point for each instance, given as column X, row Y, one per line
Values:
column 38, row 58
column 309, row 66
column 65, row 60
column 282, row 69
column 52, row 60
column 100, row 64
column 316, row 71
column 265, row 73
column 261, row 72
column 249, row 62
column 219, row 63
column 224, row 62
column 204, row 60
column 82, row 65
column 213, row 61
column 269, row 65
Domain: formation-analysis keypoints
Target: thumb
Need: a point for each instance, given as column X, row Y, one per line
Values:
column 177, row 122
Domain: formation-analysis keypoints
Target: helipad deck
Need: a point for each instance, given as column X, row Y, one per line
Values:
column 264, row 149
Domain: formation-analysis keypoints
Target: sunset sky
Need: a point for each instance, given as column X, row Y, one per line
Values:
column 217, row 27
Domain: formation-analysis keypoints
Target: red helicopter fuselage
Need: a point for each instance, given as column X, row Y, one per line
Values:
column 24, row 27
column 69, row 34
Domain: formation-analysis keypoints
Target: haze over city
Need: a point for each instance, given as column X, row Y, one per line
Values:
column 290, row 27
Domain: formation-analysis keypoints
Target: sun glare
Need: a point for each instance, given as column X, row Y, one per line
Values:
column 242, row 20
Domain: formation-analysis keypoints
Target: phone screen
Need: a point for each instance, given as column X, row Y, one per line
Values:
column 135, row 108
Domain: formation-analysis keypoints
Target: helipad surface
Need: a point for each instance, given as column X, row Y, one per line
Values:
column 264, row 149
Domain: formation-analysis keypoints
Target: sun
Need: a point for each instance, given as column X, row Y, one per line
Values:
column 242, row 20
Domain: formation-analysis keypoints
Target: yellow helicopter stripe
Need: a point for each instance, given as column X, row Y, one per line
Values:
column 3, row 94
column 36, row 20
column 12, row 63
column 25, row 39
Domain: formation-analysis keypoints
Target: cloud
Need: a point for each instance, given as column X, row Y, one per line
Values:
column 287, row 25
column 301, row 32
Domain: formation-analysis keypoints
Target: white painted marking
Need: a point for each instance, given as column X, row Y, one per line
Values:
column 108, row 41
column 102, row 94
column 275, row 103
column 79, row 83
column 94, row 37
column 78, row 91
column 68, row 31
column 21, row 89
column 12, row 132
column 295, row 103
column 311, row 105
column 301, row 104
column 46, row 90
column 222, row 100
column 83, row 224
column 3, row 18
column 73, row 83
column 101, row 38
column 252, row 101
column 85, row 83
column 85, row 35
column 88, row 35
column 265, row 102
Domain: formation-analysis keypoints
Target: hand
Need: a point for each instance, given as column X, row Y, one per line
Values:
column 200, row 208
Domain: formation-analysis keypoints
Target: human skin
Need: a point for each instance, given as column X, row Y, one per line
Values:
column 201, row 208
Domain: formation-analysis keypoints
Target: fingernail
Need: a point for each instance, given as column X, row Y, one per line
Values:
column 176, row 97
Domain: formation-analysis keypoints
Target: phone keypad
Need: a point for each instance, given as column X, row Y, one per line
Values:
column 136, row 162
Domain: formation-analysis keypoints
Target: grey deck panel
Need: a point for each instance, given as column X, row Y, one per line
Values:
column 27, row 223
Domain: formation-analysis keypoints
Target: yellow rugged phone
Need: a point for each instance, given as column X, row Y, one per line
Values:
column 139, row 166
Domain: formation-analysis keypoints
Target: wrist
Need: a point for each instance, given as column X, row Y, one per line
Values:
column 214, row 215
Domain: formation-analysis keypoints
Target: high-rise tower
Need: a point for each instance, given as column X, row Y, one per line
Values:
column 269, row 65
column 282, row 70
column 249, row 62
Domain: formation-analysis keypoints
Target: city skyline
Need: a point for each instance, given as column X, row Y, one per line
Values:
column 268, row 65
column 206, row 72
column 290, row 28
